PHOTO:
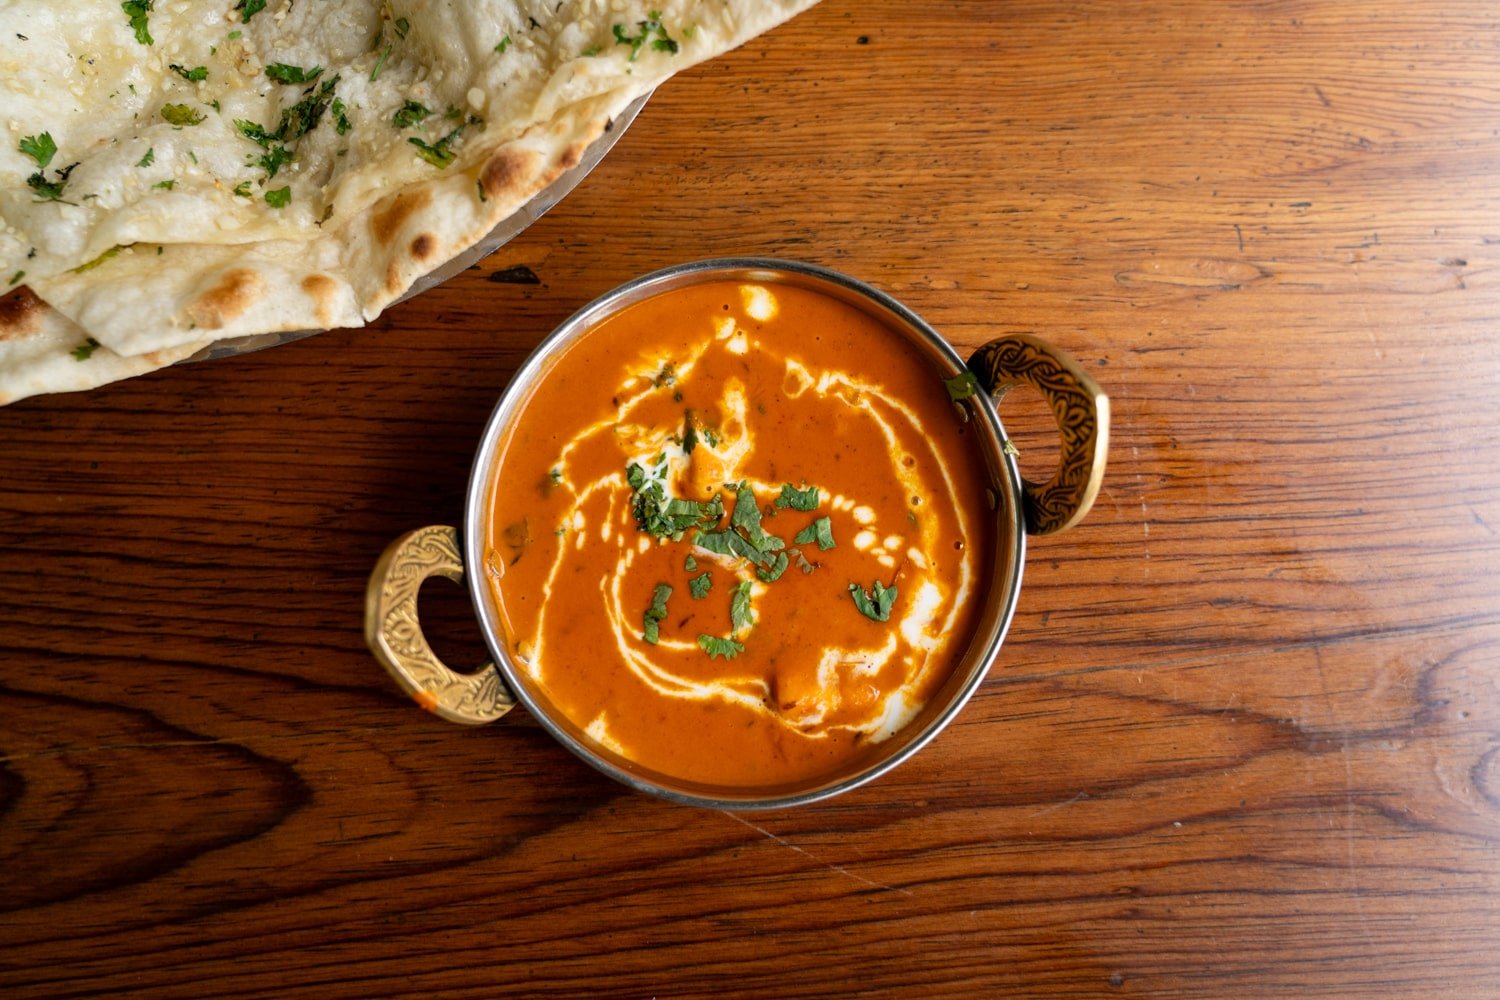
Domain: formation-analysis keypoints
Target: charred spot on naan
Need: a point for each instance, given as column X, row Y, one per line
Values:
column 508, row 173
column 20, row 313
column 230, row 297
column 322, row 290
column 573, row 155
column 397, row 273
column 424, row 246
column 395, row 277
column 386, row 223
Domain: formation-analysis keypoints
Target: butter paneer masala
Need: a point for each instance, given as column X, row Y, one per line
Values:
column 739, row 534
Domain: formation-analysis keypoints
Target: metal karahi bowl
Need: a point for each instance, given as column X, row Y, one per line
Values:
column 393, row 628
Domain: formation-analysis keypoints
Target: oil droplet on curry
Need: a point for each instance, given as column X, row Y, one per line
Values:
column 738, row 536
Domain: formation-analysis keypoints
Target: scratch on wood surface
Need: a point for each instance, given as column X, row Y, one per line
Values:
column 793, row 847
column 1192, row 272
column 1058, row 805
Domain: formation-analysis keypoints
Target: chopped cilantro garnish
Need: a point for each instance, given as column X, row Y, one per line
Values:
column 746, row 517
column 731, row 542
column 739, row 608
column 773, row 572
column 253, row 132
column 680, row 515
column 440, row 153
column 196, row 74
column 655, row 514
column 723, row 543
column 286, row 73
column 40, row 148
column 90, row 265
column 699, row 586
column 166, row 185
column 690, row 564
column 961, row 386
column 375, row 73
column 651, row 26
column 875, row 605
column 341, row 123
column 302, row 117
column 242, row 189
column 437, row 153
column 503, row 44
column 273, row 160
column 296, row 121
column 136, row 12
column 689, row 433
column 280, row 197
column 410, row 114
column 181, row 114
column 714, row 646
column 591, row 51
column 85, row 350
column 796, row 499
column 235, row 34
column 148, row 159
column 15, row 278
column 44, row 189
column 820, row 531
column 666, row 377
column 402, row 27
column 656, row 613
column 248, row 9
column 746, row 538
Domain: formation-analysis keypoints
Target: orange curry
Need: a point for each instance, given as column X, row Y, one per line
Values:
column 739, row 534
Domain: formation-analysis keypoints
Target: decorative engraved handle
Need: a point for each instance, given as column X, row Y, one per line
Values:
column 1082, row 412
column 394, row 632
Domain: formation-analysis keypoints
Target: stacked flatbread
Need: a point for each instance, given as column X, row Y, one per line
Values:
column 181, row 171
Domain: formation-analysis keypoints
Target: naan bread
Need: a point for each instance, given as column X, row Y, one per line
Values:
column 294, row 169
column 41, row 350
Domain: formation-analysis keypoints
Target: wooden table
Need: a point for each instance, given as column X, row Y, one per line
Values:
column 1244, row 737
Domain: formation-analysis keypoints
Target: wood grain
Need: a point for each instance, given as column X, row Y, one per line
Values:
column 1244, row 737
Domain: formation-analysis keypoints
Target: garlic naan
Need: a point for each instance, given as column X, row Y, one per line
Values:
column 179, row 171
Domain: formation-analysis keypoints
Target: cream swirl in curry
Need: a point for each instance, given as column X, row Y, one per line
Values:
column 738, row 534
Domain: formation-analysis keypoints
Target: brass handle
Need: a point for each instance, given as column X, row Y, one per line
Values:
column 1082, row 412
column 394, row 633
